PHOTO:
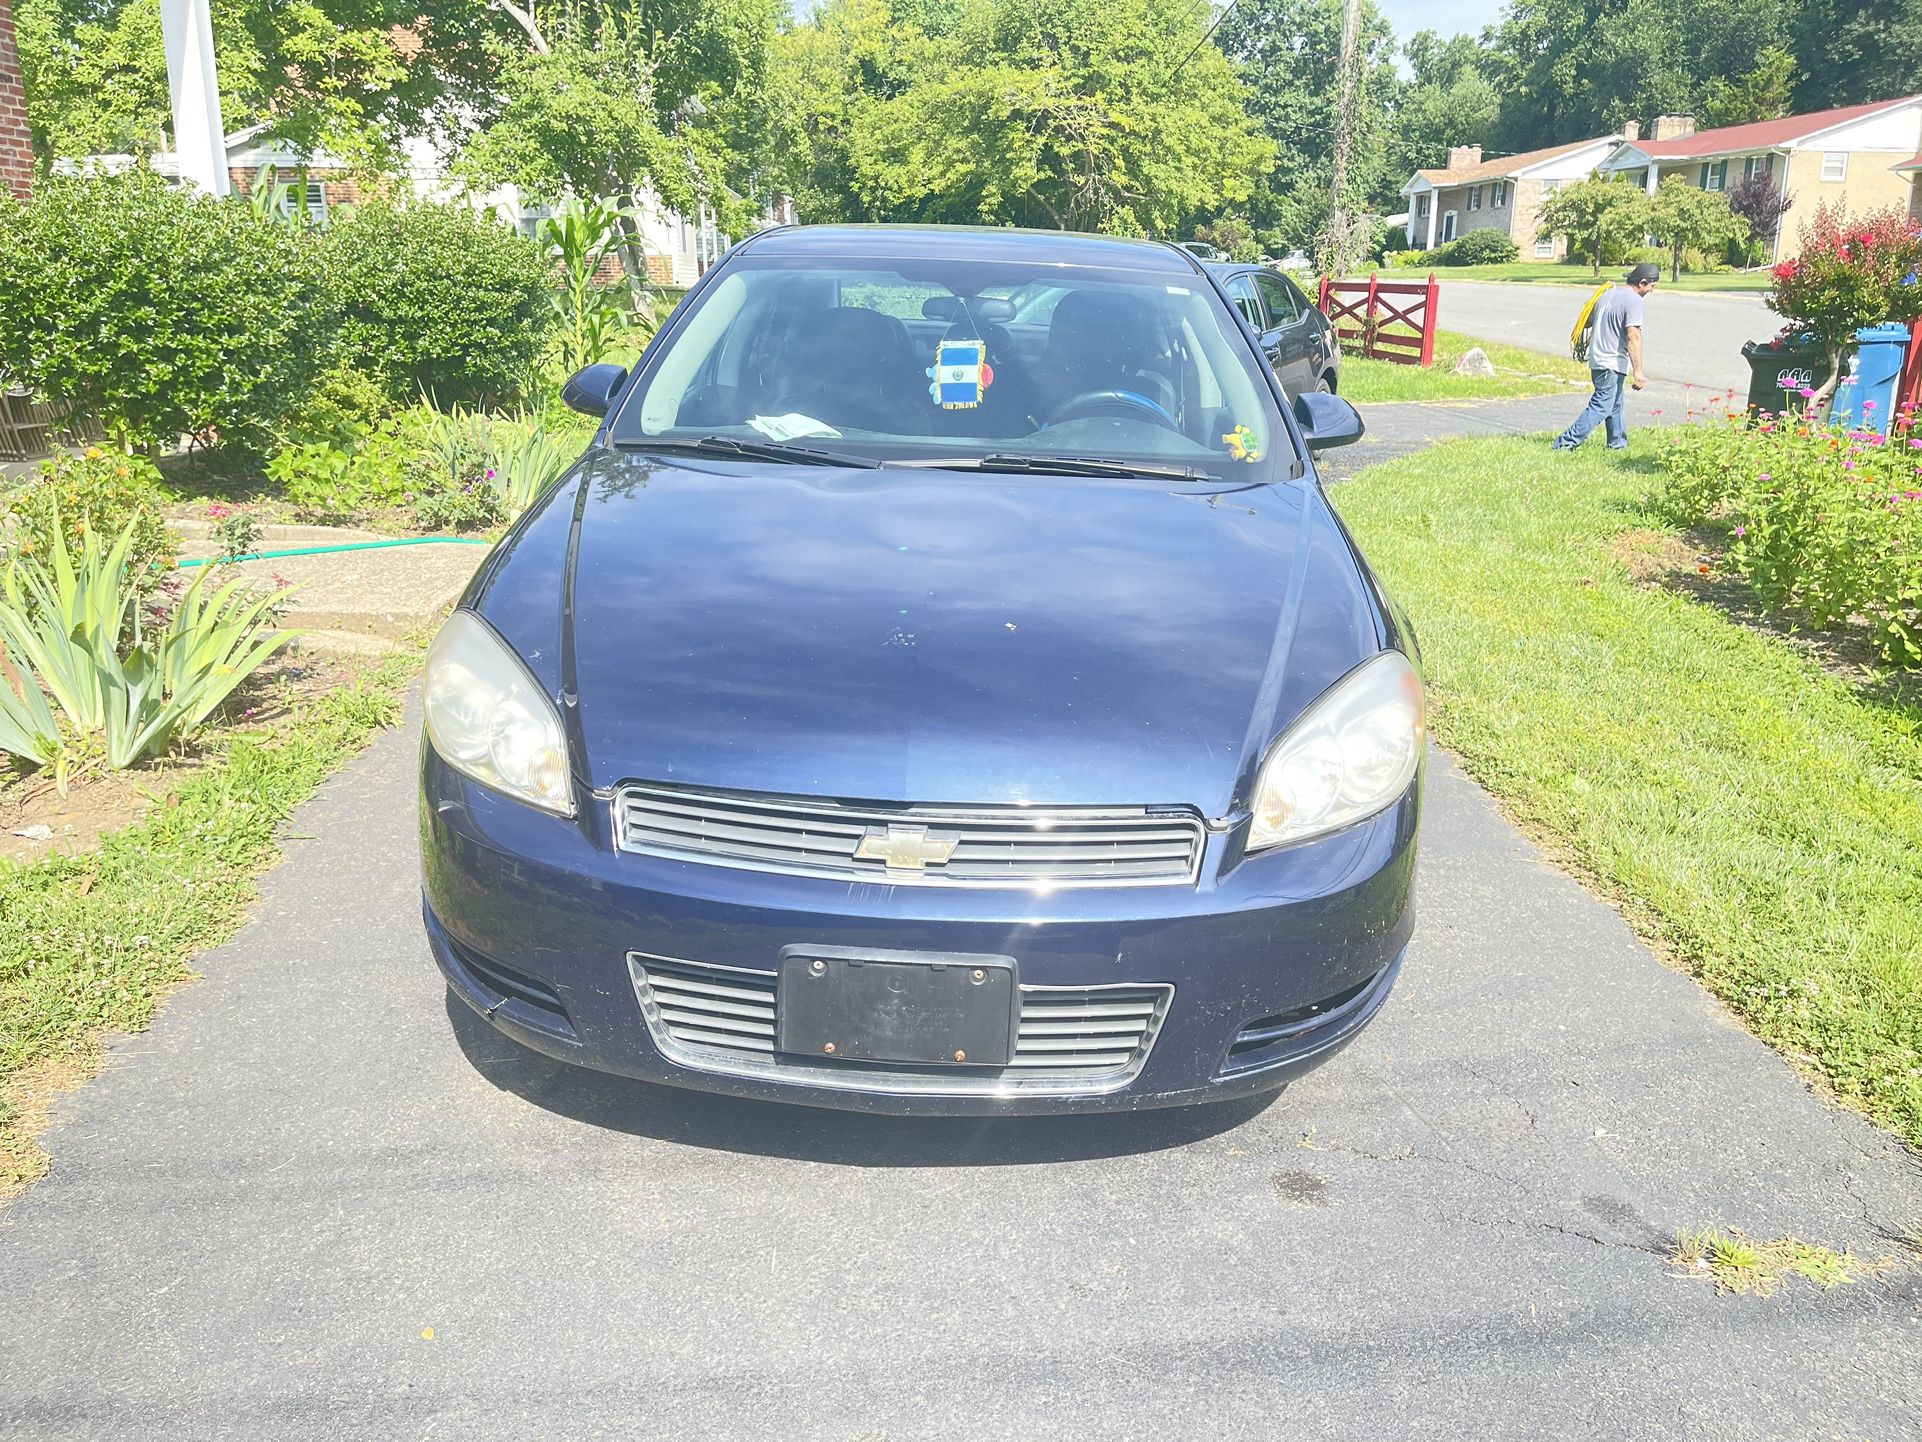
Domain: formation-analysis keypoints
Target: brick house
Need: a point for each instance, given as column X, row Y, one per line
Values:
column 16, row 142
column 1504, row 193
column 1864, row 156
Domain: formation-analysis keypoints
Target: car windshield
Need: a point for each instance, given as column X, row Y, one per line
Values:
column 985, row 364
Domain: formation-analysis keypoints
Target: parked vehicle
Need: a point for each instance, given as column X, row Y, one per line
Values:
column 942, row 688
column 1296, row 262
column 1202, row 250
column 1291, row 330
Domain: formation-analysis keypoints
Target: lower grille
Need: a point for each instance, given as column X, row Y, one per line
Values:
column 1082, row 1039
column 1275, row 1039
column 533, row 1000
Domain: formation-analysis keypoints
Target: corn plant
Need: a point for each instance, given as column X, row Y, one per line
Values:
column 592, row 316
column 62, row 620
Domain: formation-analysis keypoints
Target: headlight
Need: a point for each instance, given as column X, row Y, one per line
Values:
column 1349, row 755
column 487, row 717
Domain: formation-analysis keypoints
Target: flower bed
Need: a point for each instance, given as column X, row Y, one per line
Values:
column 1825, row 523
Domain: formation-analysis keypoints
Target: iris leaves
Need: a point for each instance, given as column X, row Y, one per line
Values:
column 88, row 677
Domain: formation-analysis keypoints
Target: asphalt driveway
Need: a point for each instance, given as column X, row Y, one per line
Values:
column 1692, row 337
column 315, row 1201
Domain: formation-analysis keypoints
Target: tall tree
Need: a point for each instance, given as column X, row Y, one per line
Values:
column 1449, row 100
column 1105, row 115
column 349, row 75
column 1289, row 52
column 1687, row 217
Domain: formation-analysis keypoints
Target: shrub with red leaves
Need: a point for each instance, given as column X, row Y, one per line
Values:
column 1851, row 272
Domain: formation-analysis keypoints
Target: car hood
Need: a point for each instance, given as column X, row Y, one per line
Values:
column 924, row 636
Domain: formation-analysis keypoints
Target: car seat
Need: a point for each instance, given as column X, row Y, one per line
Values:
column 1100, row 340
column 849, row 366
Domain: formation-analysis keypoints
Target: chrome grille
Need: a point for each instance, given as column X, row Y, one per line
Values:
column 1080, row 1039
column 914, row 846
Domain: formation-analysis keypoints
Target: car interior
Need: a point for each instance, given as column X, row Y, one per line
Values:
column 857, row 356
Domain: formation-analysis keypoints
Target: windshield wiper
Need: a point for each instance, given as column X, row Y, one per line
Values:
column 751, row 450
column 1065, row 466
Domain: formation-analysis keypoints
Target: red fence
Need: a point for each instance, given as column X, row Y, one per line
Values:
column 1363, row 312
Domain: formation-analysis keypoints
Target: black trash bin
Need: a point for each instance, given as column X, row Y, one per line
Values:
column 1778, row 369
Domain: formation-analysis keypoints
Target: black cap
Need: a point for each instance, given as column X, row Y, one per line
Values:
column 1643, row 272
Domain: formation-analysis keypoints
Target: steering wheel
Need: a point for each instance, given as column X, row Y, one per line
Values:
column 1131, row 404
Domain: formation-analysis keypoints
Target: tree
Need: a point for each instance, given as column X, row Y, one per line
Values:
column 1761, row 206
column 606, row 98
column 1595, row 215
column 1104, row 115
column 1449, row 101
column 1688, row 217
column 1289, row 52
column 1851, row 272
column 348, row 75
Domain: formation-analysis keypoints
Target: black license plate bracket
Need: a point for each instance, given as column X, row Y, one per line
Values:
column 911, row 1008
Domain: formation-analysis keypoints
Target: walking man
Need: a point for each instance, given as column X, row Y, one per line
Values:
column 1614, row 360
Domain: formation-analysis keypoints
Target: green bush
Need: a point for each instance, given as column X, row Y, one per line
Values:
column 1484, row 247
column 347, row 482
column 1443, row 254
column 439, row 300
column 1825, row 523
column 344, row 405
column 102, row 491
column 158, row 312
column 1402, row 259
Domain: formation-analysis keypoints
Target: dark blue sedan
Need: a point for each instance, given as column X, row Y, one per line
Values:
column 942, row 688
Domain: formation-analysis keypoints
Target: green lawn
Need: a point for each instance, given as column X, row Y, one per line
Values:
column 88, row 943
column 1554, row 272
column 1520, row 373
column 1758, row 817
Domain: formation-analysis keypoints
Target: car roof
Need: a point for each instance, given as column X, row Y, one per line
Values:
column 970, row 242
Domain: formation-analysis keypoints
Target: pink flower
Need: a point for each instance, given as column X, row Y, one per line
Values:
column 1741, row 530
column 219, row 512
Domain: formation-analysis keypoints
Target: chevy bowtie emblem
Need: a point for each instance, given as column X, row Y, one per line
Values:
column 904, row 848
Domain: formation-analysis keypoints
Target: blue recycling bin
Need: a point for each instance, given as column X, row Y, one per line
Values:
column 1867, row 394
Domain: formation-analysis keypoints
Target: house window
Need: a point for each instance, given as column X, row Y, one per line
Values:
column 1758, row 165
column 1714, row 174
column 1474, row 197
column 1498, row 195
column 310, row 196
column 1544, row 250
column 1421, row 205
column 1550, row 187
column 1835, row 165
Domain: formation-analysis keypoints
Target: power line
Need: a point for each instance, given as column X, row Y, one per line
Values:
column 1207, row 35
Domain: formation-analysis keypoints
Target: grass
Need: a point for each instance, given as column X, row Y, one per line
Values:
column 1555, row 272
column 1519, row 373
column 1759, row 818
column 89, row 944
column 1737, row 1263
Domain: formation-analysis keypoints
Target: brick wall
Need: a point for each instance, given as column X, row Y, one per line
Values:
column 16, row 144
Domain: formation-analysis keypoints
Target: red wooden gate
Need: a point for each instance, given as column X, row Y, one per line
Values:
column 1373, row 320
column 1908, row 386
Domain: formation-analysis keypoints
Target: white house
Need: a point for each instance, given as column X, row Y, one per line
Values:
column 1504, row 193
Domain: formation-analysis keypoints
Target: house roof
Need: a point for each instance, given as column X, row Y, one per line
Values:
column 1503, row 166
column 1907, row 165
column 1763, row 134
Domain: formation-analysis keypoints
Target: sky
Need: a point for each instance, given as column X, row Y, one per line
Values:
column 1449, row 17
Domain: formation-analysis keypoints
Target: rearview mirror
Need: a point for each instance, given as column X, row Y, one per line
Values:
column 1327, row 420
column 591, row 389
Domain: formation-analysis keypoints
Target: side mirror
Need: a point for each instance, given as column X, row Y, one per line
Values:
column 591, row 389
column 1327, row 420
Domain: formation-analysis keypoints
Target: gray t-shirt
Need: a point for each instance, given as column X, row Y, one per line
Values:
column 1614, row 314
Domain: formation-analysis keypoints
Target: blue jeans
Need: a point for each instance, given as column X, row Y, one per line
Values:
column 1611, row 394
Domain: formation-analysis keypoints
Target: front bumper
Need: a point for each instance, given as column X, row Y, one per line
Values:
column 1268, row 966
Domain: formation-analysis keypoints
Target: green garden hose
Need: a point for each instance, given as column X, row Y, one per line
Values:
column 329, row 550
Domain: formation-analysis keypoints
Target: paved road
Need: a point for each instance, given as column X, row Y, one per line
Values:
column 1691, row 337
column 1456, row 1230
